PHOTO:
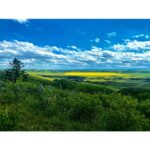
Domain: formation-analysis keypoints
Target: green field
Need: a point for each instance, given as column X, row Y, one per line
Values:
column 114, row 79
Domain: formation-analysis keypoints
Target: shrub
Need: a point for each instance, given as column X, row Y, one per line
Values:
column 8, row 118
column 85, row 108
column 122, row 114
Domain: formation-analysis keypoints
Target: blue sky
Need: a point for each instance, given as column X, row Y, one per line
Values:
column 76, row 43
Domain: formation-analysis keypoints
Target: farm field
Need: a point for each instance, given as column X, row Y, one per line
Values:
column 114, row 79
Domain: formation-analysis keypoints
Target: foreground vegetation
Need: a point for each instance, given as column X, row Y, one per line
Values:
column 73, row 101
column 37, row 104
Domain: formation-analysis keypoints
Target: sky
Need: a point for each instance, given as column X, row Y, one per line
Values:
column 67, row 44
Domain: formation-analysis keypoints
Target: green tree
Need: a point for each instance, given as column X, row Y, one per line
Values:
column 15, row 71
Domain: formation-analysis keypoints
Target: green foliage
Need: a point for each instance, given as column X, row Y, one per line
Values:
column 85, row 108
column 2, row 75
column 8, row 118
column 15, row 71
column 122, row 114
column 144, row 107
column 139, row 93
column 62, row 105
column 81, row 87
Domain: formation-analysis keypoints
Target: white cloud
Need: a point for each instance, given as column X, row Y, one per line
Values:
column 72, row 47
column 54, row 57
column 141, row 35
column 147, row 36
column 22, row 21
column 107, row 41
column 119, row 47
column 111, row 34
column 127, row 40
column 133, row 45
column 28, row 61
column 96, row 40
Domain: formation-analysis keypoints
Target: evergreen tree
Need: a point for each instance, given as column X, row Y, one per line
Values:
column 15, row 71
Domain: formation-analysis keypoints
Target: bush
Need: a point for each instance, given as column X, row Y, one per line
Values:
column 122, row 115
column 85, row 108
column 8, row 118
column 139, row 93
column 144, row 107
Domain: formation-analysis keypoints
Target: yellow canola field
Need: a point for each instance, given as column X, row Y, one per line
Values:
column 95, row 74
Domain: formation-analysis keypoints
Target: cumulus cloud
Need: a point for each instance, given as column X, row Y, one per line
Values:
column 97, row 40
column 22, row 21
column 72, row 47
column 53, row 57
column 29, row 61
column 133, row 46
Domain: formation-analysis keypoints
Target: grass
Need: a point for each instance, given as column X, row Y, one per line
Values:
column 140, row 75
column 38, row 76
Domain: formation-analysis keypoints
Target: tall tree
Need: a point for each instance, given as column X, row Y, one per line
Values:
column 15, row 71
